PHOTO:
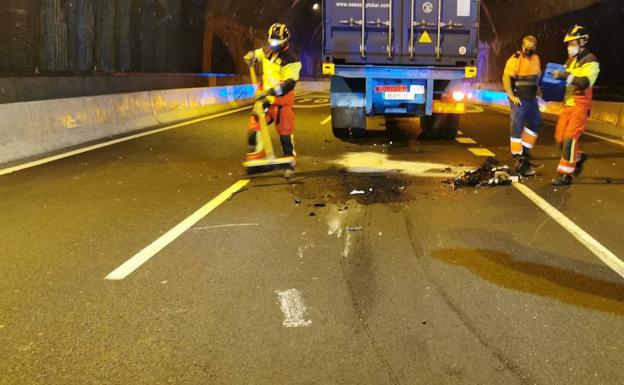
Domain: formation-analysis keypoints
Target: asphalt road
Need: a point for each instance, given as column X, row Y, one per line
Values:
column 302, row 282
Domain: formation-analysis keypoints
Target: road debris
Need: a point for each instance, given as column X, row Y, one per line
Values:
column 491, row 174
column 354, row 228
column 357, row 192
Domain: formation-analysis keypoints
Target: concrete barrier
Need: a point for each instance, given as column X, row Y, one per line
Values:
column 31, row 129
column 606, row 117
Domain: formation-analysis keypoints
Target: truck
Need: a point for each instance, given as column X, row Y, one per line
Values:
column 401, row 58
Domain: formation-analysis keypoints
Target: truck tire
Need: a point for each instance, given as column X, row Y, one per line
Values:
column 439, row 126
column 348, row 122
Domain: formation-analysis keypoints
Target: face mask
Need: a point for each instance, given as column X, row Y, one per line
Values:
column 528, row 52
column 573, row 51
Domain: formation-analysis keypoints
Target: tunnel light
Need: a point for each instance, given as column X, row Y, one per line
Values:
column 458, row 96
column 470, row 96
column 316, row 7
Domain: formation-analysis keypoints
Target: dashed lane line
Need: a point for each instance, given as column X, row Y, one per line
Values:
column 466, row 140
column 477, row 151
column 144, row 255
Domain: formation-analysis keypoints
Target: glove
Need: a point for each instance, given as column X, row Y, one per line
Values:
column 250, row 58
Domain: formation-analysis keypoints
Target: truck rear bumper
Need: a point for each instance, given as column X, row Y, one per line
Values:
column 368, row 76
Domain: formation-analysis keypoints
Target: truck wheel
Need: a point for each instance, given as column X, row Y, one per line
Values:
column 439, row 126
column 348, row 122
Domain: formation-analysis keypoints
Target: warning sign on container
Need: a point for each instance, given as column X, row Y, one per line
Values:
column 425, row 38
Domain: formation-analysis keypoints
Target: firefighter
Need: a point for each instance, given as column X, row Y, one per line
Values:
column 582, row 69
column 520, row 79
column 280, row 74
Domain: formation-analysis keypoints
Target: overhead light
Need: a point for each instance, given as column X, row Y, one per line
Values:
column 316, row 6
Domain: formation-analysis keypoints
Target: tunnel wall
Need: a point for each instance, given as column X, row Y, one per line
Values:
column 31, row 88
column 68, row 36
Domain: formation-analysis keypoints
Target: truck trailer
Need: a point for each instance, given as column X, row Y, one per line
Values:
column 399, row 57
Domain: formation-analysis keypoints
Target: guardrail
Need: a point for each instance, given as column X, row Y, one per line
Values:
column 31, row 129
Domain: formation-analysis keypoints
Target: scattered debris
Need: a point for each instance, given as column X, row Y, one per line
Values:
column 489, row 174
column 312, row 214
column 297, row 200
column 354, row 228
column 357, row 192
column 320, row 205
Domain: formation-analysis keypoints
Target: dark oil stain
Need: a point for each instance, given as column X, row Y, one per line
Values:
column 546, row 281
column 336, row 186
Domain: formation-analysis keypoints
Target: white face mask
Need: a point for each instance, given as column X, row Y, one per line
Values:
column 573, row 51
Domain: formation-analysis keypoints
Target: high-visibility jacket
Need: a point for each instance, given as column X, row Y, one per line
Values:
column 524, row 72
column 279, row 69
column 584, row 70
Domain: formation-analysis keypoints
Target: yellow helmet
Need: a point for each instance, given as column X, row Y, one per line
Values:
column 278, row 35
column 576, row 33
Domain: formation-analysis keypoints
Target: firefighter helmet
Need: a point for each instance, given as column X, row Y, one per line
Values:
column 278, row 35
column 576, row 33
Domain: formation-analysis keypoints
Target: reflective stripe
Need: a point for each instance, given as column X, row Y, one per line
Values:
column 527, row 145
column 566, row 170
column 530, row 132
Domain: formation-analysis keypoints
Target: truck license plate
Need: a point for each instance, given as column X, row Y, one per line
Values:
column 415, row 89
column 399, row 96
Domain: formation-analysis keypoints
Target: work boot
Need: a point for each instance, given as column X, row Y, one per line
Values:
column 562, row 180
column 524, row 167
column 579, row 165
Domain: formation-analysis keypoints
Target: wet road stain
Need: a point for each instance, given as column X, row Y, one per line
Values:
column 547, row 281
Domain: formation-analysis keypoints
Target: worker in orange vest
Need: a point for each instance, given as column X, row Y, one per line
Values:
column 520, row 80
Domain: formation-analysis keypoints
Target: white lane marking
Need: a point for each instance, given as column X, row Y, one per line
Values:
column 614, row 141
column 610, row 259
column 144, row 255
column 225, row 226
column 326, row 120
column 466, row 140
column 82, row 150
column 291, row 303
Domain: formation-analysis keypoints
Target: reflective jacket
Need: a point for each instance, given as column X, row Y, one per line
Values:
column 279, row 70
column 584, row 70
column 524, row 72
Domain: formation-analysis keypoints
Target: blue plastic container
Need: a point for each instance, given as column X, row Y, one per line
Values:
column 553, row 90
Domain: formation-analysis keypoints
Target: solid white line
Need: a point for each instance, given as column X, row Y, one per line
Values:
column 291, row 303
column 326, row 120
column 111, row 142
column 225, row 226
column 144, row 255
column 610, row 259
